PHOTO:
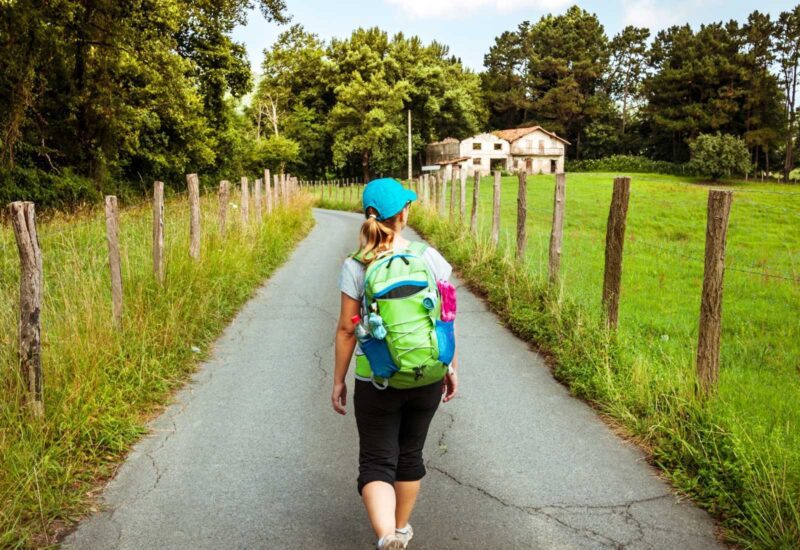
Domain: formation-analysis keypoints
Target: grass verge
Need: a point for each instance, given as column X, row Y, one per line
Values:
column 101, row 385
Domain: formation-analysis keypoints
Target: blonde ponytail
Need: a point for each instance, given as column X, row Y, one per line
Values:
column 376, row 237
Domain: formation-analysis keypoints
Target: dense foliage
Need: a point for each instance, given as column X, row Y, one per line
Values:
column 347, row 101
column 99, row 96
column 108, row 95
column 621, row 95
column 717, row 155
column 627, row 163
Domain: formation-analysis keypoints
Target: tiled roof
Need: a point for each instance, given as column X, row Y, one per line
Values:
column 513, row 134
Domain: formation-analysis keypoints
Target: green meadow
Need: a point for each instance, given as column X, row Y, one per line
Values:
column 759, row 390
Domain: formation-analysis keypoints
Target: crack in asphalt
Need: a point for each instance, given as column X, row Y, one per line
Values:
column 320, row 359
column 550, row 512
column 442, row 446
column 308, row 303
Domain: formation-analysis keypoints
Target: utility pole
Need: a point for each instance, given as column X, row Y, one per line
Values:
column 409, row 145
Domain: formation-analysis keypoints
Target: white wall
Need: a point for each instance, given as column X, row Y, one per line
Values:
column 531, row 145
column 486, row 153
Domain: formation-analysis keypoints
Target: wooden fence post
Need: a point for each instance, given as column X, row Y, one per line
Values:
column 453, row 181
column 23, row 220
column 719, row 208
column 224, row 198
column 268, row 191
column 615, row 241
column 442, row 194
column 276, row 190
column 114, row 262
column 473, row 221
column 496, row 209
column 557, row 231
column 194, row 215
column 245, row 198
column 257, row 199
column 158, row 231
column 462, row 201
column 522, row 215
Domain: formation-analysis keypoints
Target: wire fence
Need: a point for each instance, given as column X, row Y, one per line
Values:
column 750, row 207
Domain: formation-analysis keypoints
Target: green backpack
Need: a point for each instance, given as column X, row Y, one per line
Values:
column 401, row 289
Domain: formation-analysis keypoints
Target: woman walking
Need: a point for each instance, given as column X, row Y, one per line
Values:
column 397, row 305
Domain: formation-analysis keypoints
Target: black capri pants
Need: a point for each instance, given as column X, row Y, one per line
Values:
column 392, row 427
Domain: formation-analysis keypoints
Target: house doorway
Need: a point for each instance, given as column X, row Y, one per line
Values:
column 498, row 164
column 553, row 166
column 528, row 164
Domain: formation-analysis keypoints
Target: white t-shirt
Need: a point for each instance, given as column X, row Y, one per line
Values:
column 351, row 280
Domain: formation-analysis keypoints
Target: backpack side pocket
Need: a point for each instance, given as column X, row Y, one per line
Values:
column 446, row 340
column 380, row 360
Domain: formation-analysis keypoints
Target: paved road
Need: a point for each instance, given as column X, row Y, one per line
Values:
column 251, row 455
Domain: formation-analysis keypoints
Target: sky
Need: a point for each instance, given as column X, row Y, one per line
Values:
column 469, row 27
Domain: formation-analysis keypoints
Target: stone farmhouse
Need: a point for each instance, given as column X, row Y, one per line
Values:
column 533, row 149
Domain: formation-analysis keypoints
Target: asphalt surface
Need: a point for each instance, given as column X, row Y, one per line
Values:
column 250, row 455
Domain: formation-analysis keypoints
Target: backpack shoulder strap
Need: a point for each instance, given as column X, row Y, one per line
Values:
column 356, row 256
column 418, row 247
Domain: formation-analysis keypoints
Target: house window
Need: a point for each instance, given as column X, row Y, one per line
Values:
column 477, row 161
column 476, row 146
column 498, row 146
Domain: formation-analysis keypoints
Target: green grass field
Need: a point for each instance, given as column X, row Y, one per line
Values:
column 101, row 385
column 759, row 387
column 739, row 452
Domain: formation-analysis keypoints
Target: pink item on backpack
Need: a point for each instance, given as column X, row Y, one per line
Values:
column 448, row 293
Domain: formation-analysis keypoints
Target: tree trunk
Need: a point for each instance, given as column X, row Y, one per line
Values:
column 365, row 165
column 625, row 99
column 766, row 158
column 258, row 124
column 788, row 163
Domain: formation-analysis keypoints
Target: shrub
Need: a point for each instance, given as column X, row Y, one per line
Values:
column 626, row 163
column 718, row 155
column 47, row 189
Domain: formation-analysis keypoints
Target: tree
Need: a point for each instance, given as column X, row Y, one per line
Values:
column 628, row 63
column 787, row 47
column 347, row 101
column 698, row 84
column 102, row 93
column 763, row 110
column 502, row 81
column 366, row 118
column 550, row 73
column 277, row 151
column 294, row 96
column 719, row 155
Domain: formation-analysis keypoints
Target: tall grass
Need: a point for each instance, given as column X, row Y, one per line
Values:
column 100, row 384
column 737, row 453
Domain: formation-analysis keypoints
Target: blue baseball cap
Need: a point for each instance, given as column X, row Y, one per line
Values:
column 387, row 196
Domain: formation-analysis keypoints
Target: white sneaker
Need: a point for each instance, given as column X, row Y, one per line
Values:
column 406, row 534
column 390, row 542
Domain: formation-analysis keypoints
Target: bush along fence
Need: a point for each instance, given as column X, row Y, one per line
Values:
column 676, row 415
column 267, row 194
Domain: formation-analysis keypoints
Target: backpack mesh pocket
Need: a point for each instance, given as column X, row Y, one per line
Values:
column 446, row 340
column 380, row 360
